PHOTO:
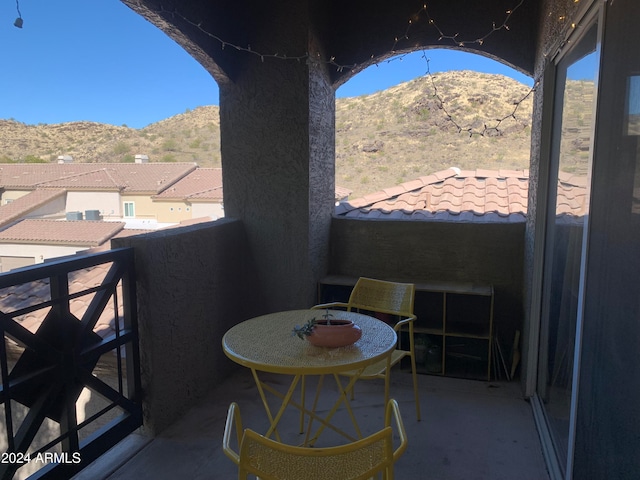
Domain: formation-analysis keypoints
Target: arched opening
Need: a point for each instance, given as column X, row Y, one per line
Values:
column 421, row 113
column 443, row 154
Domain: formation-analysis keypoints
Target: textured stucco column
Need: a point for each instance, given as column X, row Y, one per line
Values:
column 277, row 122
column 193, row 284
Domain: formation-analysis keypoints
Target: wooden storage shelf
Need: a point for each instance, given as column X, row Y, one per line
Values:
column 428, row 331
column 469, row 329
column 456, row 318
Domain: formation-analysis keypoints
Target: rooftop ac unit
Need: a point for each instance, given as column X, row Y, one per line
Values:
column 92, row 215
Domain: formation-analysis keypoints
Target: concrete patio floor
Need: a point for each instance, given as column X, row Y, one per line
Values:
column 470, row 430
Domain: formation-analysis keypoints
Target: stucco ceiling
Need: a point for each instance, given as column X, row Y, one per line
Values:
column 223, row 34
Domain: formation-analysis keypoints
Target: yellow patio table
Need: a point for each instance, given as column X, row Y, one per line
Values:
column 266, row 344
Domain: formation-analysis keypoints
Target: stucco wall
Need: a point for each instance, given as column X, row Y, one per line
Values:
column 278, row 153
column 193, row 284
column 39, row 253
column 107, row 202
column 178, row 211
column 213, row 210
column 437, row 252
column 145, row 207
column 172, row 211
column 12, row 195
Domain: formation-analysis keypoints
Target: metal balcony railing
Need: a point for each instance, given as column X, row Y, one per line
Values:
column 69, row 363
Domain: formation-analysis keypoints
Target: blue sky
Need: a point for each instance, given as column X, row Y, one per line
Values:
column 96, row 60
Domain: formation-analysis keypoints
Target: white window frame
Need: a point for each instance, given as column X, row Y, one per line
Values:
column 129, row 209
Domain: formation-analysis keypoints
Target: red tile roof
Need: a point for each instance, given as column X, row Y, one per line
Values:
column 468, row 196
column 341, row 192
column 203, row 184
column 150, row 178
column 17, row 297
column 84, row 233
column 22, row 206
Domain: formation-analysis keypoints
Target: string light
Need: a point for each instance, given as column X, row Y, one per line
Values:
column 18, row 22
column 412, row 22
column 470, row 130
column 454, row 38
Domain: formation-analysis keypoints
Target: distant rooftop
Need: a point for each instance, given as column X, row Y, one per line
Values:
column 25, row 295
column 22, row 206
column 203, row 184
column 85, row 233
column 481, row 196
column 151, row 178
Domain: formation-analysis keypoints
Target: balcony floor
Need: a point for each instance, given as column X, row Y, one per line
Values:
column 469, row 430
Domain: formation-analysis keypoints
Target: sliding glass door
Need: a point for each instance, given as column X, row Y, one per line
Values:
column 565, row 242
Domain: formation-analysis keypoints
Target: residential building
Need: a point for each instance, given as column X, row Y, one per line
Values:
column 82, row 206
column 572, row 289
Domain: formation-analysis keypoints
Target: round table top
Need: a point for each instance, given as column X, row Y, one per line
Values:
column 266, row 343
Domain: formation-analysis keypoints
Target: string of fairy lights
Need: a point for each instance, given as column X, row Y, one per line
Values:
column 307, row 57
column 415, row 18
column 419, row 16
column 486, row 130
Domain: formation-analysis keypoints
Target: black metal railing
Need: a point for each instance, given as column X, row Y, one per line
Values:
column 69, row 363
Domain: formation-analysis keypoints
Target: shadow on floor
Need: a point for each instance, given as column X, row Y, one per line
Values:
column 470, row 430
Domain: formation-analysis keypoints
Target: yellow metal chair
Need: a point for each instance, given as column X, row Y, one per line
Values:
column 371, row 296
column 272, row 460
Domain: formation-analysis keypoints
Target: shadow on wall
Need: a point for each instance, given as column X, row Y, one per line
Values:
column 193, row 284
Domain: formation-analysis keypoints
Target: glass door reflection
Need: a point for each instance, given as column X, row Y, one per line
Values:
column 568, row 209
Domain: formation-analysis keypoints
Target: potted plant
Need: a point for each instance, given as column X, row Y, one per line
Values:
column 328, row 332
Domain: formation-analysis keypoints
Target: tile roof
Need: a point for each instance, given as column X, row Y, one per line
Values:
column 467, row 196
column 203, row 184
column 85, row 233
column 19, row 296
column 22, row 206
column 150, row 178
column 25, row 295
column 341, row 192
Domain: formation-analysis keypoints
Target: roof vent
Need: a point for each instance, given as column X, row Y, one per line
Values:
column 142, row 159
column 65, row 159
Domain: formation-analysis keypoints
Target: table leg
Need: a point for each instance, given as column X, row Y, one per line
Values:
column 285, row 401
column 303, row 392
column 344, row 397
column 313, row 407
column 387, row 379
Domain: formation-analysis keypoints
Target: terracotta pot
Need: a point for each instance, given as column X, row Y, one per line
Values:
column 339, row 333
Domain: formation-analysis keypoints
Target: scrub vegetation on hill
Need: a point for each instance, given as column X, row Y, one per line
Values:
column 395, row 135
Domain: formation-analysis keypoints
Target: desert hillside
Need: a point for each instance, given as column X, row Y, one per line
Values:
column 395, row 135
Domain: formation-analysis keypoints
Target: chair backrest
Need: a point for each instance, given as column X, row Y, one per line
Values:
column 383, row 296
column 272, row 460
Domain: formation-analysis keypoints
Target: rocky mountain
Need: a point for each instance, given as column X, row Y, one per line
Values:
column 460, row 118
